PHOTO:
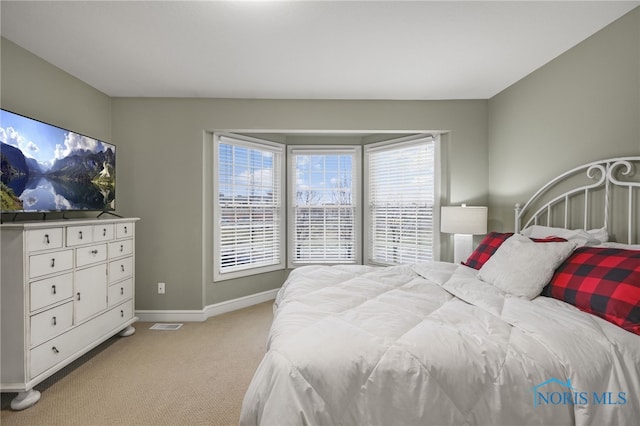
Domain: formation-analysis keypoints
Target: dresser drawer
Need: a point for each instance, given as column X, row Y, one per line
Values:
column 103, row 232
column 109, row 322
column 91, row 254
column 54, row 351
column 124, row 230
column 120, row 248
column 77, row 235
column 51, row 322
column 49, row 263
column 42, row 239
column 49, row 354
column 120, row 292
column 120, row 314
column 52, row 290
column 120, row 269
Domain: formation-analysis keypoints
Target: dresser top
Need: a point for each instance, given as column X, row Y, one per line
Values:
column 35, row 224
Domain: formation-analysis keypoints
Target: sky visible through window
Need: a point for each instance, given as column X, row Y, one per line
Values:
column 246, row 172
column 323, row 179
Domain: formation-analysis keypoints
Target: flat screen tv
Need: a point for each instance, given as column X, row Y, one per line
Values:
column 46, row 168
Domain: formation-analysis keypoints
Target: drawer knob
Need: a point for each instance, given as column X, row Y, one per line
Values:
column 53, row 321
column 94, row 252
column 53, row 289
column 122, row 268
column 80, row 235
column 121, row 313
column 46, row 239
column 78, row 295
column 104, row 232
column 53, row 262
column 55, row 350
column 125, row 230
column 121, row 248
column 121, row 291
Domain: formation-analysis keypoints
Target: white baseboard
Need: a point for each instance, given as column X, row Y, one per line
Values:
column 242, row 302
column 208, row 311
column 170, row 316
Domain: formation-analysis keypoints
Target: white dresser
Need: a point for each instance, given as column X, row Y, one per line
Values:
column 66, row 287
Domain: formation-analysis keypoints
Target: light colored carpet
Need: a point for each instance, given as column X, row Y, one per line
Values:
column 196, row 375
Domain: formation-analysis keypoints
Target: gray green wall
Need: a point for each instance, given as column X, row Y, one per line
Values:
column 35, row 88
column 581, row 107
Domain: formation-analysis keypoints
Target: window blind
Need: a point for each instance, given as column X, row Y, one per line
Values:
column 323, row 198
column 401, row 195
column 248, row 205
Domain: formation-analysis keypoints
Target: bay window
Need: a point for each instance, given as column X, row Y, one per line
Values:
column 339, row 206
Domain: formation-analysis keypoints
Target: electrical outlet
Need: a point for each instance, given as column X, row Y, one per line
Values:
column 160, row 288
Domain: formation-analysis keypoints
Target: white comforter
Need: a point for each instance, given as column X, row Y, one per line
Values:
column 430, row 344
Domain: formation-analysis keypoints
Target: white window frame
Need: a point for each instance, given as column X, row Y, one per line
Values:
column 356, row 179
column 279, row 171
column 399, row 144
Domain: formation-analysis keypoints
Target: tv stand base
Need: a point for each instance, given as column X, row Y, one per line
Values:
column 111, row 213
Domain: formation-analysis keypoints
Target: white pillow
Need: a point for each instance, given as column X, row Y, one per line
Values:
column 580, row 236
column 621, row 246
column 522, row 267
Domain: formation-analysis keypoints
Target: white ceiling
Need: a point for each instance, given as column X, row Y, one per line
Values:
column 303, row 49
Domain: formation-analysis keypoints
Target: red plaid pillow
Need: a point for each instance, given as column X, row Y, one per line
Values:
column 490, row 244
column 486, row 249
column 602, row 281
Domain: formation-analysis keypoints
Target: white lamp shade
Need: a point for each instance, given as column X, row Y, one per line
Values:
column 463, row 220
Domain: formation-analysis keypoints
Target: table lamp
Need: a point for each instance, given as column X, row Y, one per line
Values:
column 464, row 222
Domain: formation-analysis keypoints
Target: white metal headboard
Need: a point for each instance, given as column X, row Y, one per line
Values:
column 607, row 190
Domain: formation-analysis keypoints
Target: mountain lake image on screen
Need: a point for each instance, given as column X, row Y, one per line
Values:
column 47, row 168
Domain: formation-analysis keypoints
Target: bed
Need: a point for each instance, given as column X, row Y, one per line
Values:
column 539, row 326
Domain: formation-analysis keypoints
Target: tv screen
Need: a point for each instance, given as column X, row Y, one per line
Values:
column 46, row 168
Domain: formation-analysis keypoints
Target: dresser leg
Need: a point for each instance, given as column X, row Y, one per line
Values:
column 127, row 332
column 25, row 400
